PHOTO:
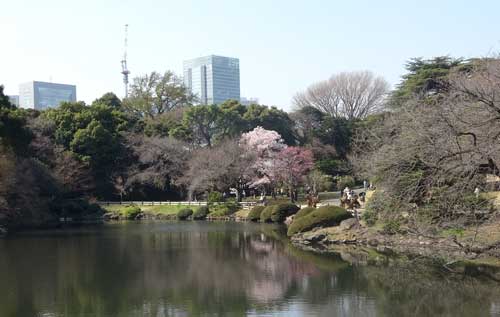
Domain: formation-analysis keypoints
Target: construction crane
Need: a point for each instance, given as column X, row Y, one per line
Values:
column 125, row 71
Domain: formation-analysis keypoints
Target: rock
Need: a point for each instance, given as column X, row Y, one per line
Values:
column 140, row 216
column 110, row 216
column 317, row 237
column 289, row 220
column 373, row 242
column 348, row 224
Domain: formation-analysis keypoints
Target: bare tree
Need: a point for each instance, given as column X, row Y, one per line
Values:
column 160, row 161
column 217, row 168
column 431, row 154
column 350, row 95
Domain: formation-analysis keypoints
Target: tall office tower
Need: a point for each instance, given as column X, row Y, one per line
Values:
column 213, row 79
column 40, row 95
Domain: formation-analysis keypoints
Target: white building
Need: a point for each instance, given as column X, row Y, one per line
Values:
column 41, row 95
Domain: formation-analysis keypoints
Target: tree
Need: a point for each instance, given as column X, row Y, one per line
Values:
column 217, row 168
column 159, row 162
column 292, row 165
column 13, row 132
column 424, row 78
column 352, row 95
column 155, row 94
column 431, row 154
column 109, row 99
column 263, row 145
column 270, row 118
column 308, row 121
column 204, row 121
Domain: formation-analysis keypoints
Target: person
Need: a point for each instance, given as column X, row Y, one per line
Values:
column 350, row 194
column 365, row 185
column 347, row 190
column 477, row 191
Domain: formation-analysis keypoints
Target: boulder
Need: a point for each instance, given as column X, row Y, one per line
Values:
column 348, row 224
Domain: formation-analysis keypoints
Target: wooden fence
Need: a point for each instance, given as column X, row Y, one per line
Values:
column 174, row 203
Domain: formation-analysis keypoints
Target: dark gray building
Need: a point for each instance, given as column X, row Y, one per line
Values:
column 213, row 79
column 41, row 95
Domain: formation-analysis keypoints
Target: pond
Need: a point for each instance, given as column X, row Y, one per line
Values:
column 216, row 269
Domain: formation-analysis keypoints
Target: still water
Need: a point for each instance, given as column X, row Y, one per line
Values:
column 216, row 269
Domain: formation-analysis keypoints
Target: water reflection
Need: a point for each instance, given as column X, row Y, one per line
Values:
column 216, row 269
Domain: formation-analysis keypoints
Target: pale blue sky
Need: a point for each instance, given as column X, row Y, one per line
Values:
column 283, row 46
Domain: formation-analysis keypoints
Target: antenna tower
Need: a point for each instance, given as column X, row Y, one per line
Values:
column 125, row 71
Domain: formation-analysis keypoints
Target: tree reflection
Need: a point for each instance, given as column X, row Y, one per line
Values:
column 216, row 269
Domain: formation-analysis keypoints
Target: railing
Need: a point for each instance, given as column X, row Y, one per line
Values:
column 160, row 203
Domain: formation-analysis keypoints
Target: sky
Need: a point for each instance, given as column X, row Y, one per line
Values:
column 283, row 45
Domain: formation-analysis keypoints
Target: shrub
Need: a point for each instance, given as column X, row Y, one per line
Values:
column 225, row 209
column 265, row 215
column 254, row 214
column 323, row 216
column 303, row 212
column 345, row 181
column 215, row 197
column 281, row 211
column 184, row 213
column 391, row 227
column 370, row 217
column 201, row 213
column 78, row 207
column 130, row 212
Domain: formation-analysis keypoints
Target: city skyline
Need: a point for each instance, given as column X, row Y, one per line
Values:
column 288, row 46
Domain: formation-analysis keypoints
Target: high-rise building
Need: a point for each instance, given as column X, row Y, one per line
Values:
column 249, row 101
column 14, row 99
column 40, row 95
column 213, row 79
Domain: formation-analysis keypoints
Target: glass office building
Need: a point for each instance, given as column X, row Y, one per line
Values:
column 41, row 95
column 213, row 79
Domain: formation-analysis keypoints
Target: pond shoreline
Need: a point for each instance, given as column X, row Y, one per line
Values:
column 447, row 251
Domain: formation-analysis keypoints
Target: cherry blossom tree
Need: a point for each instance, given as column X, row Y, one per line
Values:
column 292, row 164
column 264, row 146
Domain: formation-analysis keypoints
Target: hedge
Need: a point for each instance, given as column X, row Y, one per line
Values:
column 183, row 214
column 254, row 214
column 303, row 212
column 281, row 211
column 265, row 215
column 130, row 212
column 201, row 213
column 323, row 216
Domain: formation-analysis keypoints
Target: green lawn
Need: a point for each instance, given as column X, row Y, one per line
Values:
column 163, row 209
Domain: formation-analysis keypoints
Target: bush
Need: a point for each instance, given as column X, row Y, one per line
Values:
column 130, row 212
column 281, row 211
column 345, row 181
column 201, row 213
column 225, row 209
column 265, row 215
column 304, row 212
column 370, row 217
column 254, row 214
column 391, row 227
column 323, row 216
column 215, row 197
column 184, row 213
column 381, row 204
column 78, row 207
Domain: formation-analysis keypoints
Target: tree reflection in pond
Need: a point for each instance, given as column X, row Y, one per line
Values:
column 216, row 269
